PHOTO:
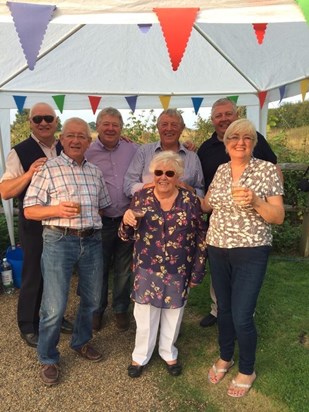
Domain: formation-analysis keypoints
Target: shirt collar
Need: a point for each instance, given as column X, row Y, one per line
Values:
column 71, row 161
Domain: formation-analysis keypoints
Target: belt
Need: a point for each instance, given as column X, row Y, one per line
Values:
column 74, row 232
column 112, row 219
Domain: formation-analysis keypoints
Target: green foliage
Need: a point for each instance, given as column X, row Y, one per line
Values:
column 142, row 128
column 203, row 131
column 290, row 115
column 92, row 126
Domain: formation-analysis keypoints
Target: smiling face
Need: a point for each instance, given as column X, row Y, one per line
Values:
column 240, row 139
column 75, row 139
column 42, row 129
column 165, row 183
column 170, row 129
column 109, row 130
column 222, row 116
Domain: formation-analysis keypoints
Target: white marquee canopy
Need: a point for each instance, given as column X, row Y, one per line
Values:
column 96, row 48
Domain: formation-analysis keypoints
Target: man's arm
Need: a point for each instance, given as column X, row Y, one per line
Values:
column 133, row 178
column 14, row 187
column 39, row 212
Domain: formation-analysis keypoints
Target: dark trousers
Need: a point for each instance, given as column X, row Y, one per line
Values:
column 237, row 276
column 117, row 257
column 30, row 235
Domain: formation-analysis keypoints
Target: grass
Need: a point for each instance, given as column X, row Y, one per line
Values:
column 282, row 356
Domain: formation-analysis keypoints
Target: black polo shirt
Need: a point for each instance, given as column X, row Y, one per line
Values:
column 212, row 154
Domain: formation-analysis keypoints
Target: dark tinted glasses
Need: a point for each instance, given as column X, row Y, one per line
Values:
column 168, row 173
column 47, row 118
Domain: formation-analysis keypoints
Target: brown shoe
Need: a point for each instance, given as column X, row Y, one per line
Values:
column 88, row 352
column 50, row 374
column 97, row 321
column 122, row 321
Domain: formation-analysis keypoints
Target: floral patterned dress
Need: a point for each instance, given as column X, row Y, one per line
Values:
column 169, row 250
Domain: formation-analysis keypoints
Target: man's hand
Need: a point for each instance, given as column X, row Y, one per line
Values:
column 36, row 165
column 190, row 145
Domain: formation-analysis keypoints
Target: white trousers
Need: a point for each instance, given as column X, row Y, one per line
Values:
column 148, row 319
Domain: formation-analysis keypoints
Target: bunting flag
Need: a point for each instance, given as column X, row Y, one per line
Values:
column 20, row 102
column 165, row 101
column 94, row 102
column 59, row 100
column 176, row 25
column 144, row 28
column 304, row 6
column 262, row 97
column 131, row 100
column 233, row 98
column 304, row 85
column 197, row 101
column 31, row 21
column 282, row 92
column 260, row 29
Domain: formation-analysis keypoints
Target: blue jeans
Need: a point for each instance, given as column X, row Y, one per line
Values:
column 117, row 255
column 237, row 276
column 61, row 254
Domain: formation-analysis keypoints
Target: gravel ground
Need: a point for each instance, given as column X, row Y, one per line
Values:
column 103, row 386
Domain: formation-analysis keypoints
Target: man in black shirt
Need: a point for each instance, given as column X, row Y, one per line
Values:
column 212, row 154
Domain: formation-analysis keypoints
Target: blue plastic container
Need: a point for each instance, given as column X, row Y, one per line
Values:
column 16, row 257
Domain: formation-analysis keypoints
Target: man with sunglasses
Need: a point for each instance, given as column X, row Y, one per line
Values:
column 170, row 126
column 23, row 161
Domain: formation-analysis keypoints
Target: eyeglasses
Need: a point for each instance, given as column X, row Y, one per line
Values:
column 236, row 139
column 168, row 173
column 75, row 135
column 47, row 118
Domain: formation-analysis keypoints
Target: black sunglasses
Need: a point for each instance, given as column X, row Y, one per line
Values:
column 47, row 118
column 168, row 173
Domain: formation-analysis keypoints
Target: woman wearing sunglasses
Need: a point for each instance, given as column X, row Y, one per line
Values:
column 169, row 258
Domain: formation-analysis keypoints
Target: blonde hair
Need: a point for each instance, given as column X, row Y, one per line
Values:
column 168, row 157
column 239, row 126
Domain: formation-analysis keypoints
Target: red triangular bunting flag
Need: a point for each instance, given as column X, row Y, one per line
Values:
column 260, row 29
column 31, row 21
column 262, row 97
column 197, row 101
column 131, row 102
column 94, row 102
column 20, row 102
column 176, row 25
column 59, row 100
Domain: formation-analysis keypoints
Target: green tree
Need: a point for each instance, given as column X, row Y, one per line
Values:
column 142, row 128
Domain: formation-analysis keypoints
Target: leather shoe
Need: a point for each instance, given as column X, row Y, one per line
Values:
column 175, row 369
column 88, row 352
column 135, row 371
column 31, row 339
column 208, row 320
column 122, row 321
column 66, row 326
column 50, row 374
column 97, row 321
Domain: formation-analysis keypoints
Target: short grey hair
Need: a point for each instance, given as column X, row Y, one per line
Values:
column 111, row 111
column 238, row 126
column 168, row 157
column 221, row 102
column 172, row 113
column 76, row 120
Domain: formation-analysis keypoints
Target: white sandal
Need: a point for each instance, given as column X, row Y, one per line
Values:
column 236, row 385
column 221, row 370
